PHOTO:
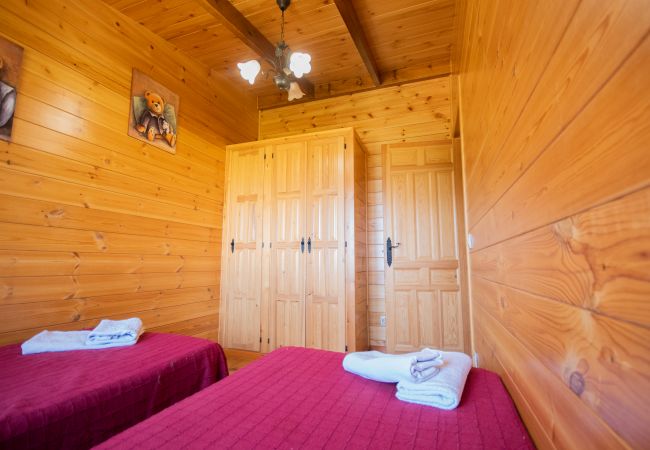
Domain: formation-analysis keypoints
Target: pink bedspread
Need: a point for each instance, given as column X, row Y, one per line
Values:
column 80, row 398
column 301, row 398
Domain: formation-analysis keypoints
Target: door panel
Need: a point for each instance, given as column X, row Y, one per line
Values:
column 325, row 288
column 243, row 284
column 422, row 301
column 288, row 229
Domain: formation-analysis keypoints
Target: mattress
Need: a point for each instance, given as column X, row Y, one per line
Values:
column 77, row 399
column 302, row 398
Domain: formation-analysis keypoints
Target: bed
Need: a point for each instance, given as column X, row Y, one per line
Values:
column 77, row 399
column 302, row 398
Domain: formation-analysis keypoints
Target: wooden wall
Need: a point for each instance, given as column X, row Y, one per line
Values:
column 94, row 223
column 555, row 120
column 407, row 113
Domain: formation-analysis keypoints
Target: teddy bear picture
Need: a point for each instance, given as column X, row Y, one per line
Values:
column 11, row 56
column 152, row 117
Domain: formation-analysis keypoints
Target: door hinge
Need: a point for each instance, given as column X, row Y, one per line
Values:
column 346, row 348
column 346, row 244
column 345, row 146
column 264, row 155
column 268, row 340
column 262, row 244
column 260, row 339
column 272, row 155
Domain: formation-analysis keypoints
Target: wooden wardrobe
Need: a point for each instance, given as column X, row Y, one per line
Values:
column 294, row 244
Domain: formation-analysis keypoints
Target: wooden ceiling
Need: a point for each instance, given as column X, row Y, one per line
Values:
column 406, row 39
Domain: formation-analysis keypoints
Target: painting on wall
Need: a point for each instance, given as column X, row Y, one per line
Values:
column 11, row 58
column 153, row 113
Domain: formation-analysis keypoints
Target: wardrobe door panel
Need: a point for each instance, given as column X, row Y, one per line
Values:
column 325, row 283
column 242, row 252
column 288, row 246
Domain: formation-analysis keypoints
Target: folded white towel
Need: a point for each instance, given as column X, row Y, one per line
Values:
column 55, row 341
column 387, row 368
column 115, row 332
column 442, row 391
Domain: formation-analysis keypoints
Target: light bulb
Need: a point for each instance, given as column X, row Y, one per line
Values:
column 295, row 93
column 299, row 63
column 249, row 70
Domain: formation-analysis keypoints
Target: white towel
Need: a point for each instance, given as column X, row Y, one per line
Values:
column 387, row 368
column 55, row 341
column 111, row 333
column 442, row 391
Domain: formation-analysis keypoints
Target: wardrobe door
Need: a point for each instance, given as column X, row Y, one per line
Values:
column 288, row 244
column 242, row 252
column 325, row 282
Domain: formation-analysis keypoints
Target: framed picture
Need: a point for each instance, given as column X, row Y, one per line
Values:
column 153, row 113
column 11, row 58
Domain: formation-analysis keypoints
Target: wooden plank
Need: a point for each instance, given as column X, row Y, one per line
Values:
column 349, row 16
column 35, row 162
column 51, row 313
column 37, row 263
column 576, row 346
column 595, row 260
column 21, row 210
column 152, row 319
column 21, row 290
column 559, row 419
column 19, row 237
column 19, row 184
column 594, row 45
column 599, row 157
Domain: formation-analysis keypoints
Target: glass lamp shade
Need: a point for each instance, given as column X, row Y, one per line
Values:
column 295, row 93
column 300, row 64
column 249, row 70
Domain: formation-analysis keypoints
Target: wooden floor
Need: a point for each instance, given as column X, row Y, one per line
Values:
column 239, row 358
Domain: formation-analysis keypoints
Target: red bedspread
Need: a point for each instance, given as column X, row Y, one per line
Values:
column 301, row 398
column 80, row 398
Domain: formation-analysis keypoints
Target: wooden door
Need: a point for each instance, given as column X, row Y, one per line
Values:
column 288, row 244
column 325, row 282
column 423, row 304
column 242, row 249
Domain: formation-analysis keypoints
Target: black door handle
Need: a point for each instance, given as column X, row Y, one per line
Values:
column 302, row 245
column 389, row 251
column 309, row 245
column 232, row 246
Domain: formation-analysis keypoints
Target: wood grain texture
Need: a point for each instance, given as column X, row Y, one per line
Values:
column 416, row 112
column 410, row 40
column 554, row 126
column 95, row 224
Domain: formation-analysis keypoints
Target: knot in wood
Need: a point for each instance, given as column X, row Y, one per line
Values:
column 577, row 383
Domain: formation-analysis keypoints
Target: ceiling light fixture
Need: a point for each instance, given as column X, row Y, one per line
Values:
column 287, row 65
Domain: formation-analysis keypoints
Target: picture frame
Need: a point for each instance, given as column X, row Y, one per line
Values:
column 11, row 59
column 153, row 113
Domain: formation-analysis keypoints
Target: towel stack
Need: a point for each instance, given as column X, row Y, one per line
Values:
column 428, row 377
column 445, row 389
column 109, row 333
column 412, row 367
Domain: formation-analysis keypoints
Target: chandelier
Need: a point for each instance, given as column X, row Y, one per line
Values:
column 287, row 65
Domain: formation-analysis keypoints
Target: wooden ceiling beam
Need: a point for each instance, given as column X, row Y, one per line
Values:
column 238, row 24
column 349, row 16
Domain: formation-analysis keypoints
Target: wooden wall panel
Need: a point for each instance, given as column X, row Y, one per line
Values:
column 93, row 223
column 414, row 112
column 554, row 120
